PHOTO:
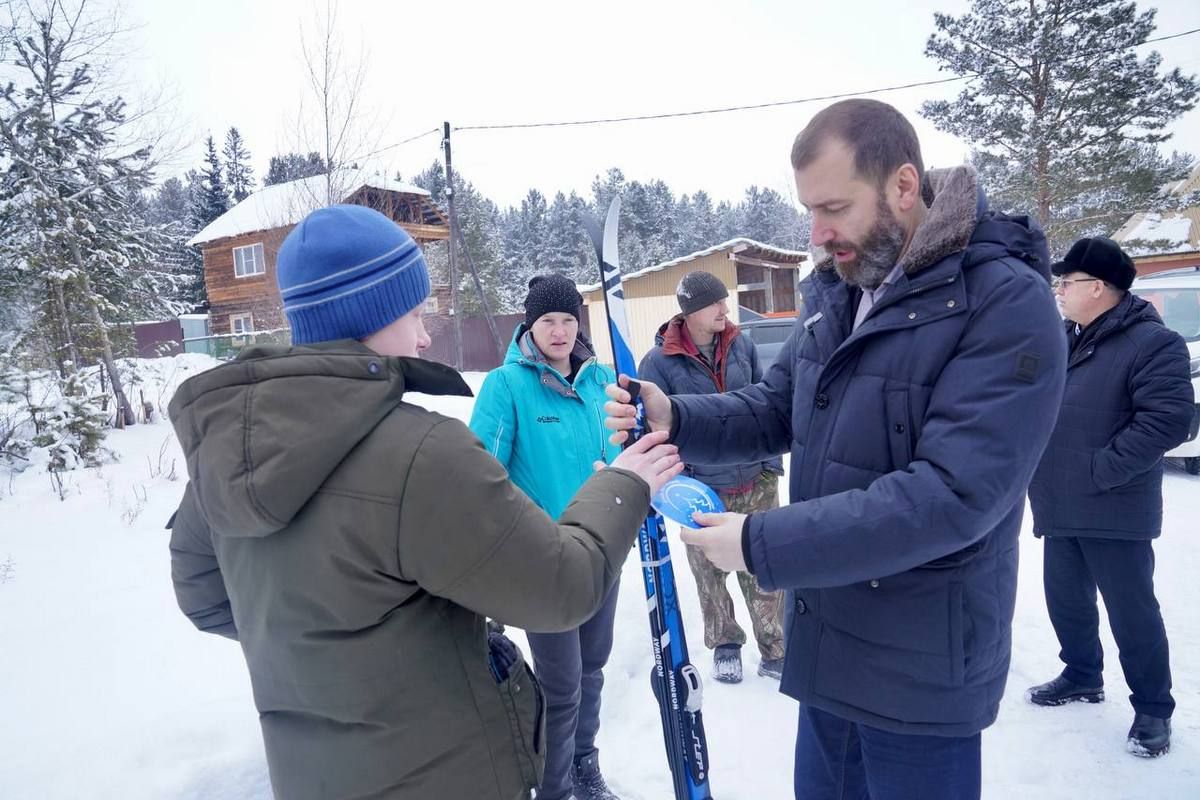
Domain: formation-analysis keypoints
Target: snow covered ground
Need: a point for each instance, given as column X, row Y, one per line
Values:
column 106, row 690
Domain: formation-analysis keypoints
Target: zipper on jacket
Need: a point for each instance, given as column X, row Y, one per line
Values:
column 496, row 441
column 600, row 419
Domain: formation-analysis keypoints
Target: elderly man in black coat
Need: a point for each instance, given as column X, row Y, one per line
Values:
column 1097, row 494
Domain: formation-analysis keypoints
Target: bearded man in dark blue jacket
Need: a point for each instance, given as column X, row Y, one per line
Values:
column 916, row 395
column 1097, row 495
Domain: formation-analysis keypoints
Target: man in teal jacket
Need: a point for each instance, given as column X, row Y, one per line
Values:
column 541, row 415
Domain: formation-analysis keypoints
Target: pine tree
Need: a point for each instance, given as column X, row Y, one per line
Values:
column 14, row 433
column 432, row 180
column 71, row 206
column 1064, row 116
column 482, row 224
column 699, row 225
column 171, row 211
column 72, row 428
column 729, row 221
column 171, row 203
column 768, row 218
column 605, row 189
column 525, row 240
column 212, row 199
column 568, row 249
column 238, row 172
column 293, row 167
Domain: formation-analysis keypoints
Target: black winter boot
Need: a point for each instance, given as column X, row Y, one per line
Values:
column 588, row 783
column 1061, row 691
column 1150, row 737
column 771, row 668
column 727, row 663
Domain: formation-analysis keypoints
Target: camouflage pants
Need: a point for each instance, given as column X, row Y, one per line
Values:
column 716, row 605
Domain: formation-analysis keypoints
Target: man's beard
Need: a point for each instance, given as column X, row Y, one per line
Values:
column 876, row 257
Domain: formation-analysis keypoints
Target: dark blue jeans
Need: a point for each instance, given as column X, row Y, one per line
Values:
column 1123, row 571
column 569, row 666
column 841, row 760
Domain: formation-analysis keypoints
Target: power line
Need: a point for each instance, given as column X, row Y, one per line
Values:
column 778, row 103
column 400, row 143
column 752, row 107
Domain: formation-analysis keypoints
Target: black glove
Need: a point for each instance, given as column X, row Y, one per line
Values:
column 502, row 655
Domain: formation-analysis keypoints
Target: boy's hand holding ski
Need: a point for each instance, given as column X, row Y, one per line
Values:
column 651, row 459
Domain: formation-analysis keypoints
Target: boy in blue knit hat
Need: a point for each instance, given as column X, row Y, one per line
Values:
column 347, row 272
column 353, row 542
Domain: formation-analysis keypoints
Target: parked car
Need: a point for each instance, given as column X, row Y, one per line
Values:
column 1176, row 295
column 768, row 335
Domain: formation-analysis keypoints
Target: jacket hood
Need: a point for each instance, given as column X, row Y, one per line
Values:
column 522, row 348
column 523, row 351
column 959, row 220
column 263, row 433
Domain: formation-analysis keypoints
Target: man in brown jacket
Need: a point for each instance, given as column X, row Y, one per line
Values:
column 353, row 542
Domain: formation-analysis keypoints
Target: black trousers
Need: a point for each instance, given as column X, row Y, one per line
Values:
column 1123, row 571
column 570, row 668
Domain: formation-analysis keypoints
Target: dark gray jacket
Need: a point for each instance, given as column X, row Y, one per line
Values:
column 676, row 366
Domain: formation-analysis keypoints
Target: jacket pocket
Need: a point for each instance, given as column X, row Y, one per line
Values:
column 958, row 640
column 959, row 558
column 525, row 705
column 899, row 425
column 1077, row 467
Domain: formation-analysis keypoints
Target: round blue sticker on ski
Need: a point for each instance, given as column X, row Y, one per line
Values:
column 682, row 497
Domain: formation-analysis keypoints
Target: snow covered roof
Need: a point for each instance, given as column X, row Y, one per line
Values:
column 287, row 203
column 1176, row 230
column 737, row 245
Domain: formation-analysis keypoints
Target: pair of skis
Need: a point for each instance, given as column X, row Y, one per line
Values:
column 676, row 683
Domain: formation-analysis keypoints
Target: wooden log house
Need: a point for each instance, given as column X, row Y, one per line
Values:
column 240, row 246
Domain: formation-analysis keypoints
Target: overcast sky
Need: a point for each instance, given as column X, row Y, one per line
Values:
column 229, row 63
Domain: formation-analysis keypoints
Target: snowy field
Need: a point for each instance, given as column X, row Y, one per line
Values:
column 107, row 691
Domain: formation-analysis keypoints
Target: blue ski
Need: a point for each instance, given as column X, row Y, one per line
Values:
column 676, row 683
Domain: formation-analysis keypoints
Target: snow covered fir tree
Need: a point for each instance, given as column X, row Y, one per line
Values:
column 239, row 174
column 79, row 252
column 509, row 246
column 1065, row 116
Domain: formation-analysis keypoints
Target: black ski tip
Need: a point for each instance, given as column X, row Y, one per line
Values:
column 592, row 226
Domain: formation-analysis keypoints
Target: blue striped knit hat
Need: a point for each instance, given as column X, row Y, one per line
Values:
column 346, row 272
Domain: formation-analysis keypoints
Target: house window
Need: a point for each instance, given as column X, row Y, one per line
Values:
column 767, row 290
column 749, row 273
column 249, row 260
column 241, row 324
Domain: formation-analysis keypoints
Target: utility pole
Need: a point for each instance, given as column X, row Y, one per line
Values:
column 457, row 320
column 456, row 236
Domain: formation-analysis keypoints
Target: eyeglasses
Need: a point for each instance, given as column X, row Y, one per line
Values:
column 1060, row 284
